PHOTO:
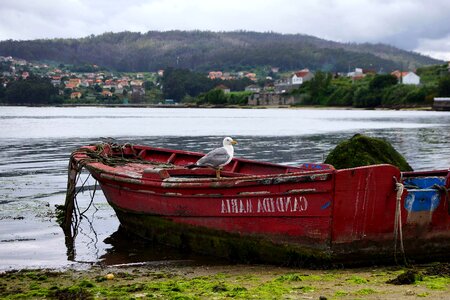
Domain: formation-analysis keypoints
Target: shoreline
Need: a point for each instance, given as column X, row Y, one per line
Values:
column 183, row 281
column 299, row 107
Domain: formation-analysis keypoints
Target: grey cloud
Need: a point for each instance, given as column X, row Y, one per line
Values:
column 408, row 24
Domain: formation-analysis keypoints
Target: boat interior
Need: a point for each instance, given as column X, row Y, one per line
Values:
column 175, row 163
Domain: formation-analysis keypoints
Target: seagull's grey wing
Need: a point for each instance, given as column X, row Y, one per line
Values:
column 215, row 158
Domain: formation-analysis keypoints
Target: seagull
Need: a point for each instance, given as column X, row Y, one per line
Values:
column 218, row 157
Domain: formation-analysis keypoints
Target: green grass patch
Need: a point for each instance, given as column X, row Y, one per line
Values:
column 436, row 283
column 364, row 292
column 86, row 284
column 340, row 293
column 248, row 277
column 423, row 295
column 238, row 292
column 270, row 290
column 357, row 280
column 329, row 276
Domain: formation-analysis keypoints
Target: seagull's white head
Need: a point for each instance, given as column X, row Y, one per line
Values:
column 228, row 141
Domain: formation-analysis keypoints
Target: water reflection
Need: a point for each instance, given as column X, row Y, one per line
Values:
column 129, row 249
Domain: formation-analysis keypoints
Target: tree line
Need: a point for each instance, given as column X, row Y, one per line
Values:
column 205, row 51
column 34, row 90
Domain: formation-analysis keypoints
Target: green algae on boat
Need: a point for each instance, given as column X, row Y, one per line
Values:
column 232, row 247
column 361, row 150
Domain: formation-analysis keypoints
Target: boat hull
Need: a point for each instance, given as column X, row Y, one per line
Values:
column 261, row 249
column 311, row 216
column 231, row 246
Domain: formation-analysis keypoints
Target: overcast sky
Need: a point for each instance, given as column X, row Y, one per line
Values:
column 419, row 25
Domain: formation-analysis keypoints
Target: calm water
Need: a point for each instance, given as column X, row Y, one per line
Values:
column 36, row 143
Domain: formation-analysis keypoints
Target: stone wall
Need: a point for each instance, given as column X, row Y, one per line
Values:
column 270, row 99
column 441, row 103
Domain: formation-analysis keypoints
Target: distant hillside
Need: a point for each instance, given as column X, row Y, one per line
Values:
column 204, row 51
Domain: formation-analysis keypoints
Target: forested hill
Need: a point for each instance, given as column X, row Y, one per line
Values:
column 204, row 51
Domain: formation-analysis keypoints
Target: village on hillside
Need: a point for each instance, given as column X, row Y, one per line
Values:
column 97, row 85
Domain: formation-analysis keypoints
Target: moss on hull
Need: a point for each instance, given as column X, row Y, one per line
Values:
column 232, row 247
column 256, row 249
column 362, row 150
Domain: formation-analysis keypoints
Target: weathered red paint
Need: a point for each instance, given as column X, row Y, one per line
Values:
column 344, row 212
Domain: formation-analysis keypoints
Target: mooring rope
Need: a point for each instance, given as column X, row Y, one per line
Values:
column 111, row 154
column 73, row 213
column 77, row 215
column 91, row 203
column 398, row 231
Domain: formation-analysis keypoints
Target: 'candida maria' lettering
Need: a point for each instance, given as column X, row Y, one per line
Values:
column 287, row 204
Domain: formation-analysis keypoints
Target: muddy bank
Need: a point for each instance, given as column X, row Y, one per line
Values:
column 223, row 282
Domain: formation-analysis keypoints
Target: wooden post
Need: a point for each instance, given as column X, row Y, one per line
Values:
column 69, row 206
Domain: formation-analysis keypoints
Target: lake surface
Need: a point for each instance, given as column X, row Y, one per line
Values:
column 36, row 143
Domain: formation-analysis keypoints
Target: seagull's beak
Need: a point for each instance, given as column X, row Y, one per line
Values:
column 233, row 142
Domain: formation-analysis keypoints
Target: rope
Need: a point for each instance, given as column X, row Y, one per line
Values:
column 92, row 199
column 113, row 156
column 398, row 231
column 73, row 213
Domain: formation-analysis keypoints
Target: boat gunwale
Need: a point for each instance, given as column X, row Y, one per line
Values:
column 258, row 180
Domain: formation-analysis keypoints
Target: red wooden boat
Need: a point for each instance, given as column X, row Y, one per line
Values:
column 264, row 212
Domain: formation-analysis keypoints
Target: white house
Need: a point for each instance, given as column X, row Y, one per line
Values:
column 407, row 77
column 301, row 76
column 358, row 72
column 411, row 78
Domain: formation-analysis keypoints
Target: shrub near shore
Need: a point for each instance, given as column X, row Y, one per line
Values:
column 374, row 90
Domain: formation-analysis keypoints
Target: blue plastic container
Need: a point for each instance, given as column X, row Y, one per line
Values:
column 422, row 193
